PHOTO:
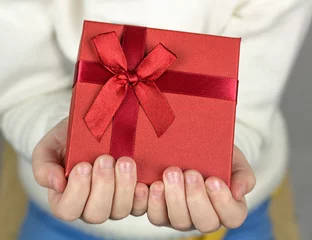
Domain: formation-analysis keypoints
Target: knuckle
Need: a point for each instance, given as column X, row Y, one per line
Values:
column 138, row 212
column 181, row 225
column 65, row 216
column 212, row 226
column 35, row 152
column 139, row 209
column 233, row 224
column 120, row 215
column 253, row 181
column 95, row 218
column 237, row 222
column 156, row 221
column 215, row 225
column 39, row 174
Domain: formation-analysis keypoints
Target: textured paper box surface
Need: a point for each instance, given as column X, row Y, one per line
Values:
column 201, row 135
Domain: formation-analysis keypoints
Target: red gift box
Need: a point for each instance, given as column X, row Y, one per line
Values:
column 165, row 98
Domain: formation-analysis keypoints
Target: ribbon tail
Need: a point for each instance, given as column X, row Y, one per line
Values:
column 105, row 107
column 155, row 107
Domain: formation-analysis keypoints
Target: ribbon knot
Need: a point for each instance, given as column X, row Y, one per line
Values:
column 132, row 78
column 142, row 80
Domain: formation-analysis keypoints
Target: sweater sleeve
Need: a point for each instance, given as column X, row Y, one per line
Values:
column 272, row 32
column 34, row 88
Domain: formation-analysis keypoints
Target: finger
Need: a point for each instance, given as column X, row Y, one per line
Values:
column 47, row 157
column 231, row 213
column 126, row 178
column 243, row 179
column 203, row 215
column 140, row 200
column 50, row 175
column 69, row 205
column 99, row 203
column 157, row 209
column 175, row 198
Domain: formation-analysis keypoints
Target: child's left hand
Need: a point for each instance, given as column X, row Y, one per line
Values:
column 184, row 201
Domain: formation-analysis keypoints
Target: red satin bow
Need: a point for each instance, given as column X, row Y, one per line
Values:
column 141, row 80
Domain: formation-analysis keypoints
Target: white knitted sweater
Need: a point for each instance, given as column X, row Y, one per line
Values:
column 39, row 39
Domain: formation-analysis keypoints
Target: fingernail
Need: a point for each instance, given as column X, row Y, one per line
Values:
column 126, row 167
column 53, row 182
column 214, row 185
column 139, row 194
column 106, row 163
column 157, row 192
column 84, row 170
column 191, row 178
column 173, row 177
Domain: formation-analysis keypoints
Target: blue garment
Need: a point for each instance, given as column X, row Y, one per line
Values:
column 38, row 225
column 257, row 226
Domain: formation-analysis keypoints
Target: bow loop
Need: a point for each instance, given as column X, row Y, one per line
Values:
column 109, row 99
column 155, row 63
column 108, row 48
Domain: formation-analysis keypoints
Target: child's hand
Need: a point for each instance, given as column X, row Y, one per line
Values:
column 184, row 201
column 113, row 193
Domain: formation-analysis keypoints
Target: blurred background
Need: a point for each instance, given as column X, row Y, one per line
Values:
column 297, row 107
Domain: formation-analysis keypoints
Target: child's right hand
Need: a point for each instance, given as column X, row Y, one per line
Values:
column 108, row 189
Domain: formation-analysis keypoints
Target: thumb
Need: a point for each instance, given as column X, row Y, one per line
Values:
column 243, row 179
column 50, row 175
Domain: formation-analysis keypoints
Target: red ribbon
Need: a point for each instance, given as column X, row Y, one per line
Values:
column 142, row 81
